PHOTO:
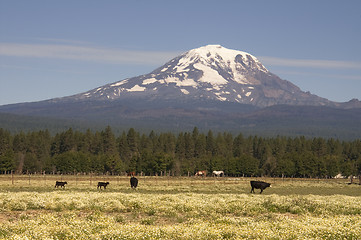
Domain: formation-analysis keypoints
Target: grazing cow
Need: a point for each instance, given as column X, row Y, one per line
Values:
column 102, row 184
column 259, row 185
column 131, row 174
column 61, row 184
column 133, row 182
column 200, row 173
column 217, row 173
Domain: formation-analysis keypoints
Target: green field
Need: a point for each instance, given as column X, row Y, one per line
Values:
column 177, row 208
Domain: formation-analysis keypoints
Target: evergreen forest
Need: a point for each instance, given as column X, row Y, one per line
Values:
column 180, row 154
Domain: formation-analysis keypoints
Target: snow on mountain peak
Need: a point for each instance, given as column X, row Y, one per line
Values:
column 215, row 59
column 211, row 71
column 219, row 53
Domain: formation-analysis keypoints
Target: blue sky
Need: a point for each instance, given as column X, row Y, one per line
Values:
column 52, row 49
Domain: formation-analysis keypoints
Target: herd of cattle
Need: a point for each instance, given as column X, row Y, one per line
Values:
column 214, row 174
column 134, row 183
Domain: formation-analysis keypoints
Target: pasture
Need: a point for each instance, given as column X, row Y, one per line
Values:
column 177, row 208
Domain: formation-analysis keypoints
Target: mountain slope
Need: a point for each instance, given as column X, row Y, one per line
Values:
column 210, row 87
column 211, row 73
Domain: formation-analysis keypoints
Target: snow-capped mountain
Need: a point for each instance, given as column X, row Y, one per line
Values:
column 211, row 72
column 210, row 87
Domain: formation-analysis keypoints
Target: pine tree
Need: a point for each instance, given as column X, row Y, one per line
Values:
column 7, row 163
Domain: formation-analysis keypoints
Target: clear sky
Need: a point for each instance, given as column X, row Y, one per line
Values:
column 52, row 49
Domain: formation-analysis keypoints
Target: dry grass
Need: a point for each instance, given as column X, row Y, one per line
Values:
column 177, row 208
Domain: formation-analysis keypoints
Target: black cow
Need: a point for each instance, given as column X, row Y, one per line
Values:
column 259, row 185
column 133, row 182
column 61, row 184
column 102, row 184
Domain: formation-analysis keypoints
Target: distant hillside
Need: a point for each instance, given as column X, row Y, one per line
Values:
column 17, row 123
column 272, row 121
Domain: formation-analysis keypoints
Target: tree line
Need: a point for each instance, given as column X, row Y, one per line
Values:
column 179, row 154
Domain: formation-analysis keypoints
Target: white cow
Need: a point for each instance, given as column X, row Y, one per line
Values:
column 218, row 173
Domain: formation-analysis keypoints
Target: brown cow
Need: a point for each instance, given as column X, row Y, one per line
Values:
column 201, row 173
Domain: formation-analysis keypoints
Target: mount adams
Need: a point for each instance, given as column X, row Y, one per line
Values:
column 209, row 73
column 211, row 87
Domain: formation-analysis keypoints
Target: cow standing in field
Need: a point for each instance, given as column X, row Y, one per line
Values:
column 133, row 182
column 102, row 184
column 200, row 173
column 217, row 173
column 259, row 185
column 61, row 184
